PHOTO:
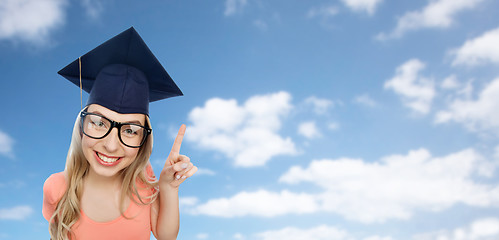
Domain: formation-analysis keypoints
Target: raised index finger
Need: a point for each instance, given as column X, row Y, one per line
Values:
column 178, row 139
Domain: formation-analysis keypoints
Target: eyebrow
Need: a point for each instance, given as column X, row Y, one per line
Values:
column 134, row 121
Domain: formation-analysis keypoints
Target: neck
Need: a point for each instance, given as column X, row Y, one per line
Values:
column 96, row 180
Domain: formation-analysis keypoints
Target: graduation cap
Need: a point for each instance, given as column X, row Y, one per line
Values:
column 122, row 74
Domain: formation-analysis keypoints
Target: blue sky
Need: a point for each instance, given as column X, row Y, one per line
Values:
column 326, row 119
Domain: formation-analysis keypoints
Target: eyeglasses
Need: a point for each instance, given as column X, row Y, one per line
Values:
column 97, row 126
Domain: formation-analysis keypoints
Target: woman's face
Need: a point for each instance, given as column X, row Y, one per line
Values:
column 107, row 156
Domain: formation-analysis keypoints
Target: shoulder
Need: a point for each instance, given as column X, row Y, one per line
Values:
column 54, row 187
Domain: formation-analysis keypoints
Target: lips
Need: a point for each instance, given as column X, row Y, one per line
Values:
column 107, row 160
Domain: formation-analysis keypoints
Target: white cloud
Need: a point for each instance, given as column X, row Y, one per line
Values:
column 482, row 229
column 333, row 126
column 202, row 236
column 260, row 203
column 188, row 201
column 450, row 82
column 467, row 90
column 319, row 105
column 393, row 188
column 398, row 185
column 16, row 213
column 238, row 236
column 368, row 6
column 378, row 238
column 6, row 144
column 488, row 227
column 417, row 92
column 309, row 130
column 322, row 232
column 477, row 115
column 234, row 6
column 205, row 171
column 366, row 100
column 260, row 24
column 93, row 8
column 437, row 14
column 248, row 133
column 30, row 20
column 480, row 50
column 322, row 12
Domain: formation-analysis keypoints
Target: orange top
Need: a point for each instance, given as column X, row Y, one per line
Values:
column 137, row 227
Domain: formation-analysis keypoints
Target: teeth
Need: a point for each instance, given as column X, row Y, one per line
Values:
column 107, row 159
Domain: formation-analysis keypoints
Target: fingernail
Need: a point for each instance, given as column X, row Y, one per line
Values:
column 184, row 177
column 177, row 177
column 184, row 165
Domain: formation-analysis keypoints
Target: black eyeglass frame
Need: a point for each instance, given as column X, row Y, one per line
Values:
column 114, row 124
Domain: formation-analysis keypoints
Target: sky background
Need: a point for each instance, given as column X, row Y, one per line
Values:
column 323, row 119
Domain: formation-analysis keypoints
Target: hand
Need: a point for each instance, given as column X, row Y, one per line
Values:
column 177, row 167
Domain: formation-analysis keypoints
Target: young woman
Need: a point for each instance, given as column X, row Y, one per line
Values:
column 108, row 189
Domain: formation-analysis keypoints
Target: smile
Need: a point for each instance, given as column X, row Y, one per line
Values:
column 106, row 160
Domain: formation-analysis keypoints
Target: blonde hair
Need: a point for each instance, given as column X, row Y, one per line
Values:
column 67, row 212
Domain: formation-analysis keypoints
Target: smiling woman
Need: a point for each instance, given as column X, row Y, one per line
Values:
column 108, row 189
column 104, row 152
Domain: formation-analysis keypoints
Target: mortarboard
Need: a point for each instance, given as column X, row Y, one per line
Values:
column 122, row 74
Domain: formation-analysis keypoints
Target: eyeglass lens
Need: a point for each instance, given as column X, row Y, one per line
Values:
column 97, row 126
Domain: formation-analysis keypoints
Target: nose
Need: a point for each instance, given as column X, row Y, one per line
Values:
column 112, row 141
